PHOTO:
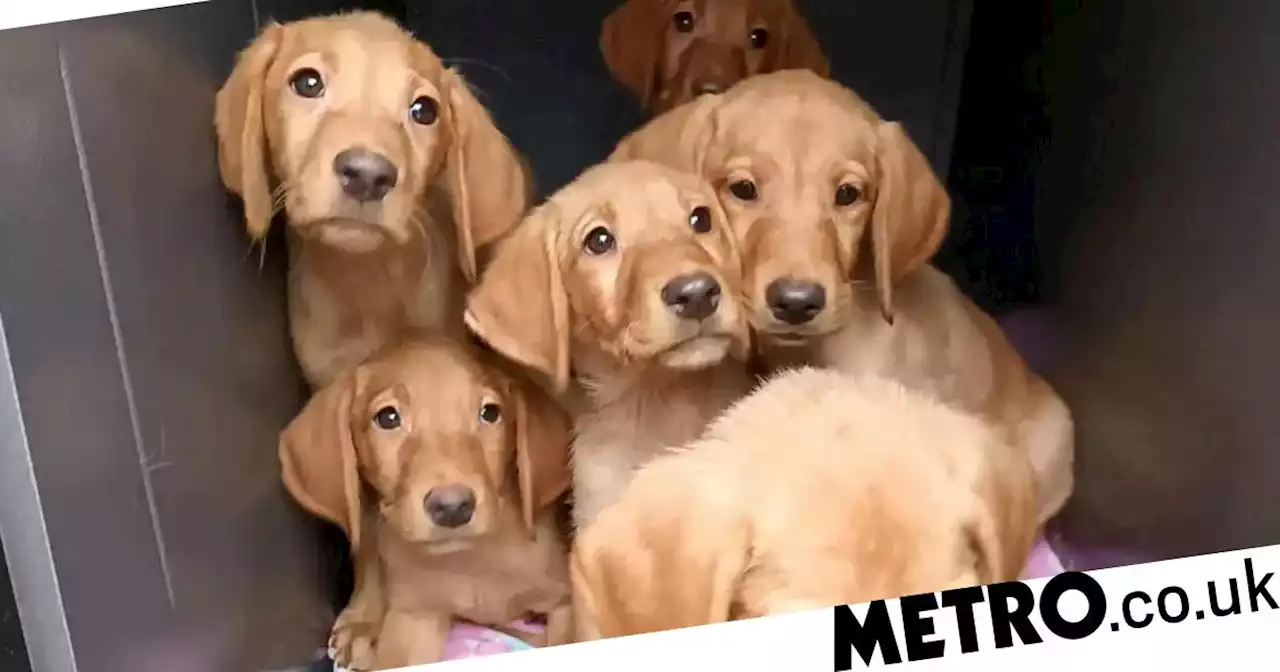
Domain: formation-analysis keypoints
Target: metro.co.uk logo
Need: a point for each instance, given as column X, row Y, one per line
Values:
column 1008, row 612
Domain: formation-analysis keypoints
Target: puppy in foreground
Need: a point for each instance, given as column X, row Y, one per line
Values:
column 443, row 471
column 818, row 489
column 813, row 179
column 622, row 291
column 390, row 173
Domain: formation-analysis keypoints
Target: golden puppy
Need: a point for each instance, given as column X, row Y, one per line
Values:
column 812, row 179
column 443, row 472
column 626, row 282
column 818, row 489
column 670, row 51
column 390, row 173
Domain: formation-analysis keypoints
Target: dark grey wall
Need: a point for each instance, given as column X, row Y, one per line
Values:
column 13, row 649
column 1160, row 233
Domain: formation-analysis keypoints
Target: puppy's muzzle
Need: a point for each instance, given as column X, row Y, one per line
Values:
column 705, row 87
column 365, row 176
column 450, row 506
column 795, row 302
column 695, row 296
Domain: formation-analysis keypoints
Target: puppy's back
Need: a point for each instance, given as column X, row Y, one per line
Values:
column 817, row 489
column 861, row 489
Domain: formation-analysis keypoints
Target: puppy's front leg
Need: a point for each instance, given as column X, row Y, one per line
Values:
column 560, row 626
column 412, row 638
column 354, row 637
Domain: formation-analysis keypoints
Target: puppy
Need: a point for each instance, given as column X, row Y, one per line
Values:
column 815, row 182
column 443, row 472
column 818, row 489
column 625, row 283
column 670, row 51
column 390, row 173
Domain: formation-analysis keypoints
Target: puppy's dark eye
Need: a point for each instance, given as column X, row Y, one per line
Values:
column 846, row 194
column 387, row 418
column 307, row 83
column 599, row 241
column 424, row 110
column 743, row 190
column 683, row 21
column 700, row 219
column 490, row 413
column 759, row 38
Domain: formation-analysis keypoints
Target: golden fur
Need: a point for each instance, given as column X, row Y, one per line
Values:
column 417, row 575
column 666, row 51
column 642, row 377
column 818, row 489
column 362, row 271
column 797, row 139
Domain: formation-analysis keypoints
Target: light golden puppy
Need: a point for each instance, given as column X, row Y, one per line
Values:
column 626, row 285
column 390, row 173
column 838, row 214
column 443, row 471
column 671, row 51
column 818, row 489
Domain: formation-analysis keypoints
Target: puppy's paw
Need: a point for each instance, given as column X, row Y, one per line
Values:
column 352, row 644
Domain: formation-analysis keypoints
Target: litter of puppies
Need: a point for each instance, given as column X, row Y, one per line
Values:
column 714, row 377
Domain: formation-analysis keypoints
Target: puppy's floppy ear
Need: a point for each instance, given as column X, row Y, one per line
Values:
column 679, row 138
column 668, row 555
column 911, row 211
column 242, row 137
column 318, row 457
column 800, row 48
column 542, row 450
column 488, row 183
column 520, row 307
column 631, row 43
column 1004, row 525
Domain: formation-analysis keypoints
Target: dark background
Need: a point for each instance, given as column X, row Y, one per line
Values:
column 1112, row 166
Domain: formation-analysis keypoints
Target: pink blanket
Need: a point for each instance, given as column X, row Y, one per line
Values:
column 1043, row 562
column 467, row 641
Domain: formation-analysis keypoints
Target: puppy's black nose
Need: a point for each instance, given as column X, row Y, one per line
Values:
column 450, row 505
column 365, row 175
column 795, row 301
column 693, row 297
column 703, row 87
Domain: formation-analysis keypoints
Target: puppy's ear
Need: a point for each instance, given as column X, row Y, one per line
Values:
column 800, row 48
column 669, row 554
column 631, row 43
column 679, row 138
column 911, row 211
column 1004, row 524
column 242, row 138
column 542, row 450
column 488, row 182
column 520, row 307
column 318, row 458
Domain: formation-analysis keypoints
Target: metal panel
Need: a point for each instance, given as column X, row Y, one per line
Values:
column 150, row 356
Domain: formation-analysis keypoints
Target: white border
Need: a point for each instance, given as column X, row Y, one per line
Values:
column 23, row 13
